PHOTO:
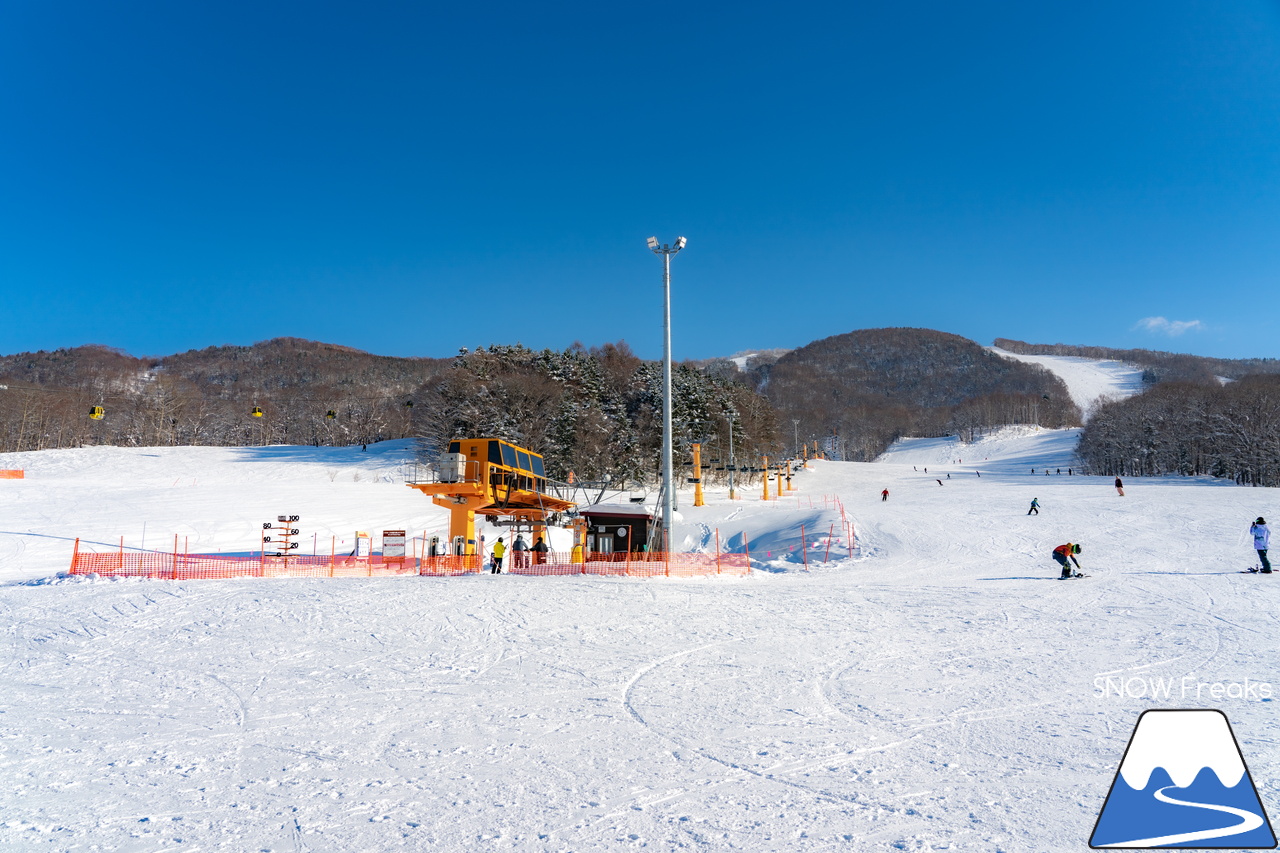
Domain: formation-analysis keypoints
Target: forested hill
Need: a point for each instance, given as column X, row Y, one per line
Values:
column 1157, row 366
column 207, row 396
column 592, row 411
column 873, row 386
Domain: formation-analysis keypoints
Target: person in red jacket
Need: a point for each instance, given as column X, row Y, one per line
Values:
column 884, row 496
column 1062, row 554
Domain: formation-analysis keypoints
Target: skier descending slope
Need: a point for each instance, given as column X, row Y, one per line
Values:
column 1062, row 554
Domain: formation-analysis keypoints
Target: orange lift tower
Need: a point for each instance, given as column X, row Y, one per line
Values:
column 496, row 479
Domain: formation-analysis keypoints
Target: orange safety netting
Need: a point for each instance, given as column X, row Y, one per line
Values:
column 178, row 566
column 651, row 565
column 150, row 564
column 12, row 474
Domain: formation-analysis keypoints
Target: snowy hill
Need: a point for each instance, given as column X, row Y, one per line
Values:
column 1087, row 379
column 931, row 688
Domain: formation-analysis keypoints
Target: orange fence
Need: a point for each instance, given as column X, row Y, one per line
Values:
column 653, row 565
column 11, row 474
column 178, row 566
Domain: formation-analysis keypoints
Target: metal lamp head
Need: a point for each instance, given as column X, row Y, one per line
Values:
column 653, row 243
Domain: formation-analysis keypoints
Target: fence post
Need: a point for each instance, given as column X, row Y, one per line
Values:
column 75, row 555
column 175, row 556
column 746, row 546
column 830, row 532
column 717, row 550
column 804, row 549
column 333, row 546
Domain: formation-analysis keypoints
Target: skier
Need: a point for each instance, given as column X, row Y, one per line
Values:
column 1062, row 554
column 939, row 482
column 1261, row 538
column 498, row 551
column 884, row 496
column 1035, row 506
column 1119, row 487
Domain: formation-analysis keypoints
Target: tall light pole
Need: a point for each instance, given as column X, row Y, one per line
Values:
column 668, row 481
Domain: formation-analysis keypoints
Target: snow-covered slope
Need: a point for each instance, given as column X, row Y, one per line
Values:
column 1087, row 379
column 932, row 688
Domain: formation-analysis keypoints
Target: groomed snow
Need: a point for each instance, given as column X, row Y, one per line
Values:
column 936, row 689
column 1087, row 379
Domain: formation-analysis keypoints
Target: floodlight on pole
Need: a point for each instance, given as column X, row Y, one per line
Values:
column 668, row 479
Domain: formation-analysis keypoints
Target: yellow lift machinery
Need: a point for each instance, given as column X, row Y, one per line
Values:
column 496, row 479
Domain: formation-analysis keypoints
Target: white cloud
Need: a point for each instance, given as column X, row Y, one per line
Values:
column 1165, row 326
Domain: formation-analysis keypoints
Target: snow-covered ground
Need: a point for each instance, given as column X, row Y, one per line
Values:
column 933, row 688
column 1087, row 379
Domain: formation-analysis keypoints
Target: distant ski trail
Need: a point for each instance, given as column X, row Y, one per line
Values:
column 1249, row 821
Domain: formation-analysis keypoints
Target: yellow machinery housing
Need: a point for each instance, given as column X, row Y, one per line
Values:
column 494, row 478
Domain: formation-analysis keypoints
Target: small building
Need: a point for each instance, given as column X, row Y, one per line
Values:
column 617, row 528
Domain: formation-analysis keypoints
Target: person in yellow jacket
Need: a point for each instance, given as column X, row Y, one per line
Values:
column 499, row 551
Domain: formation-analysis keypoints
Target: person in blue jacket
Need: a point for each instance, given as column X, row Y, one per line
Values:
column 1261, row 540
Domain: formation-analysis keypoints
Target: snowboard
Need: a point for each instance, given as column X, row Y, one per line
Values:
column 1071, row 577
column 1254, row 571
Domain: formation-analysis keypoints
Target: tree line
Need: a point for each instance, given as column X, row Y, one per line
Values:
column 591, row 411
column 1227, row 430
column 306, row 392
column 1156, row 366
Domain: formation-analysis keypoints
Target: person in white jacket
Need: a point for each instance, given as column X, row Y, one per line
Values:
column 1261, row 539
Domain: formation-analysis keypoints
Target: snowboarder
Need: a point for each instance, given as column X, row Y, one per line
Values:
column 521, row 557
column 884, row 496
column 495, row 567
column 1035, row 506
column 1119, row 487
column 939, row 482
column 1062, row 554
column 1261, row 539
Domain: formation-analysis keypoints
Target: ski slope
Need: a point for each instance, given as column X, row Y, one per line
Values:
column 932, row 688
column 1088, row 380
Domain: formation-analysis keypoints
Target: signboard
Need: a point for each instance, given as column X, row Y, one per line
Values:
column 393, row 544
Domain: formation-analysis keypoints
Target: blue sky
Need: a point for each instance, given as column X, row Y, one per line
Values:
column 410, row 178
